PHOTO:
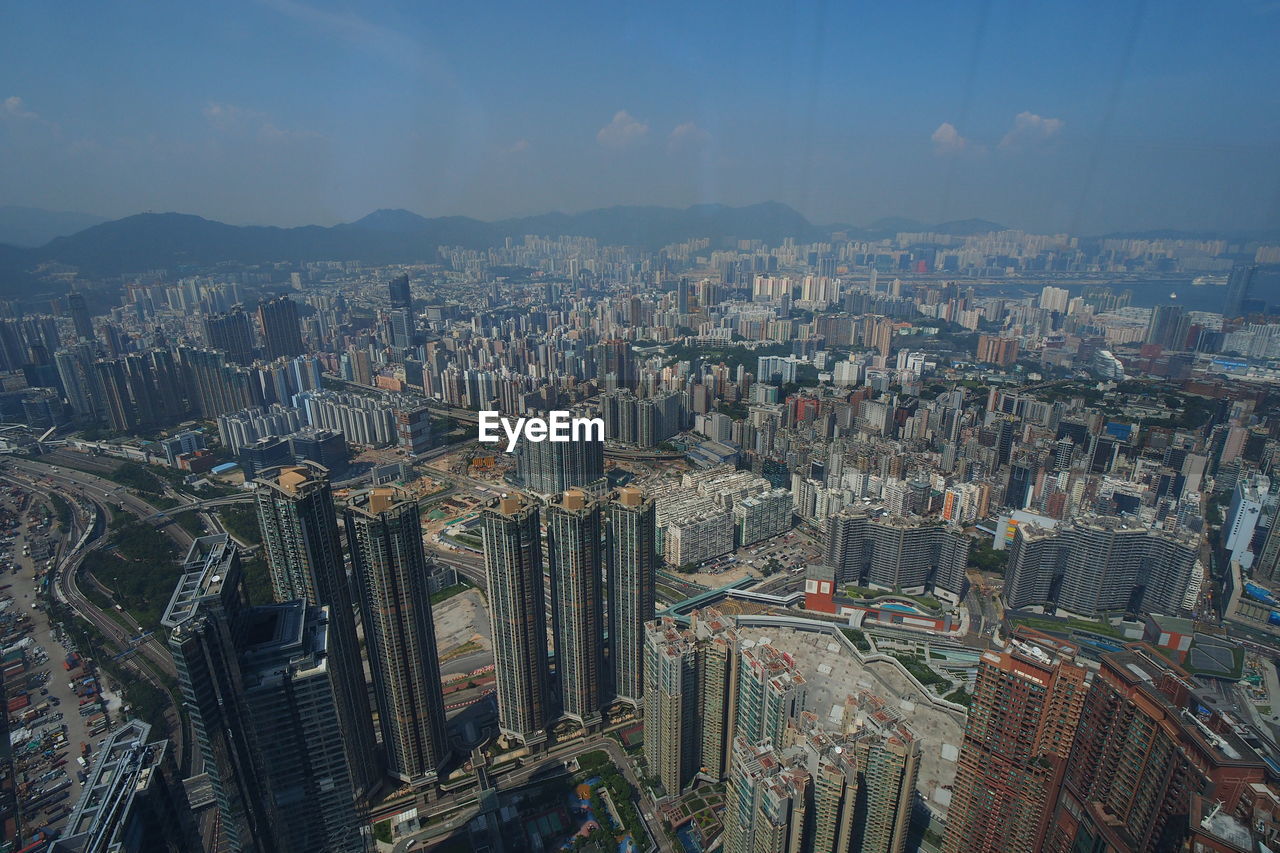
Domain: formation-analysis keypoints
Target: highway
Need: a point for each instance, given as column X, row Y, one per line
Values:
column 74, row 482
column 66, row 583
column 97, row 493
column 469, row 565
column 200, row 506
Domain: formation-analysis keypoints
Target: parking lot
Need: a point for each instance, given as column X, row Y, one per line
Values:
column 56, row 708
column 787, row 552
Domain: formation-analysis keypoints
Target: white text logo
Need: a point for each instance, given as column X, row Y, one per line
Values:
column 558, row 426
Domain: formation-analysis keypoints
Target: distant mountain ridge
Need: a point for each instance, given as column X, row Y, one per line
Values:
column 172, row 241
column 149, row 241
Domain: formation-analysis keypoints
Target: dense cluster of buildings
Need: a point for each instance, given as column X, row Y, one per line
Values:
column 1132, row 757
column 857, row 391
column 1099, row 565
column 602, row 561
column 719, row 708
column 895, row 552
column 706, row 514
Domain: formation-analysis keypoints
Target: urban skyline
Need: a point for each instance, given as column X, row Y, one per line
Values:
column 1034, row 117
column 836, row 480
column 640, row 429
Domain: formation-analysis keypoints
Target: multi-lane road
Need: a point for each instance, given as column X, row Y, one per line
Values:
column 98, row 495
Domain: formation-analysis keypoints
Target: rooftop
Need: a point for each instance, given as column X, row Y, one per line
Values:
column 204, row 571
column 843, row 691
column 122, row 769
column 1185, row 705
column 284, row 639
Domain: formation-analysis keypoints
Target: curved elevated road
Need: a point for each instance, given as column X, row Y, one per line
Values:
column 155, row 657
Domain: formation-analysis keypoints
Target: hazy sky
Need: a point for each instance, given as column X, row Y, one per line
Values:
column 1050, row 116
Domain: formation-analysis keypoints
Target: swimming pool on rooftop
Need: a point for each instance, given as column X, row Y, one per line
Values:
column 900, row 606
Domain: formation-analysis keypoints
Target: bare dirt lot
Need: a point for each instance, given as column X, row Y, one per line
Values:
column 462, row 633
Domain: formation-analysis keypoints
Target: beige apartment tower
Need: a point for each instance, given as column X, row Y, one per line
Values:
column 513, row 563
column 577, row 604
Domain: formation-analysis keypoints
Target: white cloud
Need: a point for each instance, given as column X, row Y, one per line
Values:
column 224, row 116
column 624, row 130
column 235, row 120
column 947, row 140
column 15, row 109
column 1030, row 129
column 517, row 146
column 687, row 135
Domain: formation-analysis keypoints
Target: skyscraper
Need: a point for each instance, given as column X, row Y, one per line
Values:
column 113, row 390
column 1146, row 751
column 718, row 662
column 384, row 538
column 888, row 767
column 1054, row 299
column 513, row 564
column 401, row 314
column 304, row 553
column 1021, row 727
column 770, row 691
column 897, row 552
column 80, row 316
column 1100, row 563
column 670, row 704
column 1266, row 567
column 862, row 783
column 631, row 560
column 231, row 333
column 646, row 422
column 403, row 333
column 257, row 688
column 413, row 428
column 615, row 364
column 766, row 804
column 691, row 688
column 1239, row 284
column 168, row 385
column 994, row 349
column 834, row 789
column 552, row 467
column 141, row 381
column 133, row 793
column 75, row 372
column 212, row 387
column 399, row 293
column 1169, row 327
column 301, row 745
column 281, row 334
column 577, row 604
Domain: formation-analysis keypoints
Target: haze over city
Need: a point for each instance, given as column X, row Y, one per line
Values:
column 670, row 428
column 1046, row 117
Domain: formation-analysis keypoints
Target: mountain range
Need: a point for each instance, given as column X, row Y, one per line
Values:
column 152, row 241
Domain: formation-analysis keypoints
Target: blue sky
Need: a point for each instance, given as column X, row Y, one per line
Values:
column 1086, row 117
